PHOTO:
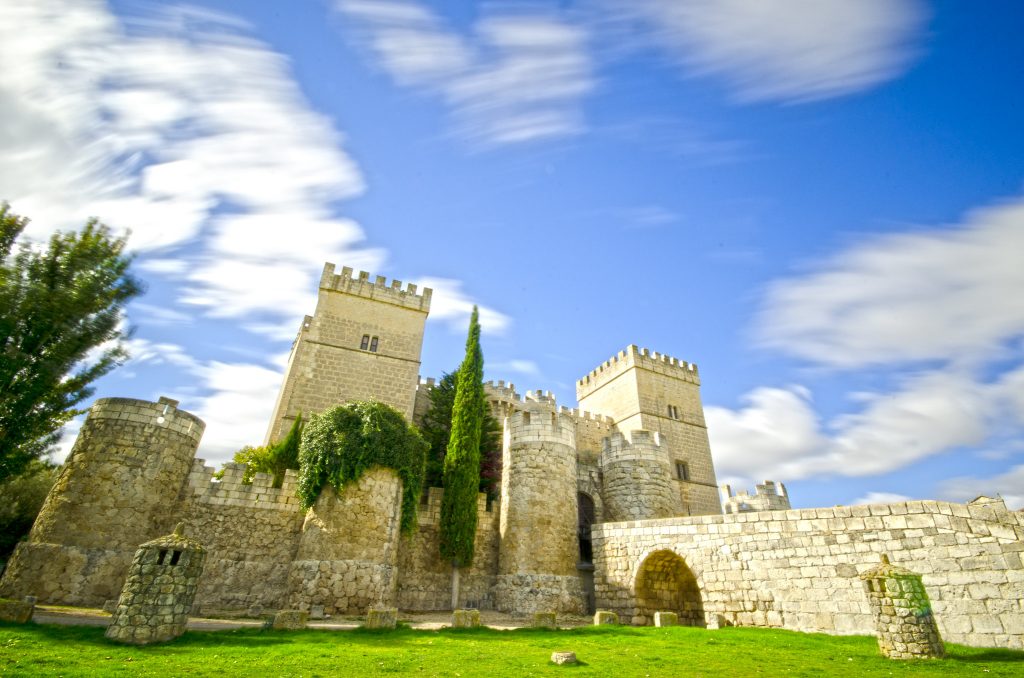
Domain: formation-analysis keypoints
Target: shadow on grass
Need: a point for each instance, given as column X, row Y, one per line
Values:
column 977, row 655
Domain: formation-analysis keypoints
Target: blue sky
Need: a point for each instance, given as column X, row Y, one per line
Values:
column 821, row 204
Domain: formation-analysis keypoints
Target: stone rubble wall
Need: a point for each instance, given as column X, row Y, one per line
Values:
column 348, row 549
column 252, row 531
column 424, row 579
column 799, row 569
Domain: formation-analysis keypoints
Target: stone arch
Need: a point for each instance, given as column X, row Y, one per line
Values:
column 664, row 582
column 588, row 486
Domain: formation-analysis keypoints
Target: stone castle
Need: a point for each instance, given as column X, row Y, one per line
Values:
column 614, row 505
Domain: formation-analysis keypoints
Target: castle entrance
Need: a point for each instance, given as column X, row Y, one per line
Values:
column 665, row 583
column 585, row 565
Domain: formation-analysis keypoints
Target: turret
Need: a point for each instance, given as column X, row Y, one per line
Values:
column 638, row 483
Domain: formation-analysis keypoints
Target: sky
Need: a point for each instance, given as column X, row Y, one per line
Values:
column 821, row 204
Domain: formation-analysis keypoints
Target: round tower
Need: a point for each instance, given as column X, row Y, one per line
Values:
column 538, row 548
column 117, row 489
column 349, row 547
column 638, row 483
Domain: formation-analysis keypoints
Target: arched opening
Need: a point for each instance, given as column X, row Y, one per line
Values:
column 664, row 583
column 585, row 518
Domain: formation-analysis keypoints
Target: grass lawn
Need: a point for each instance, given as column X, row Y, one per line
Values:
column 50, row 650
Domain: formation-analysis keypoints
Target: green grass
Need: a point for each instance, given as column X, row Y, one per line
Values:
column 45, row 650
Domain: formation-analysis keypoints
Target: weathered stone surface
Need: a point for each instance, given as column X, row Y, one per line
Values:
column 464, row 619
column 382, row 618
column 18, row 611
column 545, row 620
column 290, row 620
column 662, row 618
column 563, row 657
column 605, row 617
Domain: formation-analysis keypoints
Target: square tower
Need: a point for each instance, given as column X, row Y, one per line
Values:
column 362, row 342
column 641, row 389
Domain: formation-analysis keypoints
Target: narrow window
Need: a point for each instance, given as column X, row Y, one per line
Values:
column 160, row 558
column 526, row 418
column 373, row 344
column 670, row 412
column 365, row 342
column 682, row 470
column 175, row 557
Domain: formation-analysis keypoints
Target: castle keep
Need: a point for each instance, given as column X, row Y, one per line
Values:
column 613, row 504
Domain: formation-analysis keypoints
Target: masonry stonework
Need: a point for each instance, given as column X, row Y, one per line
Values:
column 613, row 505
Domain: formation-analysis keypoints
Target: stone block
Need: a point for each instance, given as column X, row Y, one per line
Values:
column 544, row 620
column 290, row 620
column 666, row 619
column 605, row 617
column 382, row 618
column 563, row 657
column 17, row 611
column 465, row 619
column 110, row 605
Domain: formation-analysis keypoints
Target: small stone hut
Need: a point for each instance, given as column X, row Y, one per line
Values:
column 158, row 593
column 903, row 613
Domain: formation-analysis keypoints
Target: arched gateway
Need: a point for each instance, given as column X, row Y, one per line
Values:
column 665, row 583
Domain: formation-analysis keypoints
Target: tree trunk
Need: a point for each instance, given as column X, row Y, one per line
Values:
column 455, row 587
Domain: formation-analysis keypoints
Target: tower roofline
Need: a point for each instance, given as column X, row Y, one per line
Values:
column 635, row 357
column 377, row 289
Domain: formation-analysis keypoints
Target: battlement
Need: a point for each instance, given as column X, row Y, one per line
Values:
column 426, row 383
column 378, row 289
column 641, row 358
column 163, row 413
column 768, row 496
column 619, row 441
column 231, row 491
column 428, row 514
column 540, row 424
column 501, row 391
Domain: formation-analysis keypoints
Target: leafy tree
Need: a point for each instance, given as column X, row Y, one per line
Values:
column 341, row 444
column 462, row 463
column 23, row 497
column 275, row 458
column 60, row 330
column 437, row 428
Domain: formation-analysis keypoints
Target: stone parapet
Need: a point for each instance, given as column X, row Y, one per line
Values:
column 629, row 358
column 377, row 289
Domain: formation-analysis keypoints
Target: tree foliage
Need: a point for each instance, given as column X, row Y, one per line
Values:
column 341, row 444
column 437, row 429
column 23, row 497
column 60, row 330
column 462, row 463
column 275, row 458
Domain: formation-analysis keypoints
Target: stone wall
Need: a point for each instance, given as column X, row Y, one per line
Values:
column 799, row 569
column 348, row 549
column 253, row 533
column 117, row 489
column 424, row 579
column 638, row 484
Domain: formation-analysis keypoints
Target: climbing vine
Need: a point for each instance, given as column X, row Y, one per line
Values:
column 339, row 445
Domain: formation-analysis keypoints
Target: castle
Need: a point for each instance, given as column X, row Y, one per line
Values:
column 614, row 505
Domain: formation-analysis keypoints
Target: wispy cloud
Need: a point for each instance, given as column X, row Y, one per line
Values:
column 880, row 498
column 938, row 310
column 519, row 366
column 1010, row 485
column 780, row 50
column 519, row 77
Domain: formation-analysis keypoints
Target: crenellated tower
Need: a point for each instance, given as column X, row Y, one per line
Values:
column 538, row 544
column 362, row 342
column 638, row 482
column 645, row 390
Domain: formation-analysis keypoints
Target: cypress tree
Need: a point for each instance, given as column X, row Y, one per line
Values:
column 462, row 463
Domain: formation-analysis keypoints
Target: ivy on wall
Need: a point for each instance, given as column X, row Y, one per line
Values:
column 341, row 444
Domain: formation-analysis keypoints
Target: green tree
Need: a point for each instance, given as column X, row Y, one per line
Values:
column 341, row 444
column 437, row 429
column 60, row 330
column 275, row 458
column 462, row 463
column 23, row 497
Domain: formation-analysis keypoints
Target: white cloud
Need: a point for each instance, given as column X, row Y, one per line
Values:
column 1009, row 485
column 237, row 410
column 949, row 294
column 519, row 77
column 452, row 306
column 880, row 498
column 527, row 367
column 787, row 50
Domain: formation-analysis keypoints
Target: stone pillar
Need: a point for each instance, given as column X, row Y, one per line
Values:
column 903, row 614
column 116, row 490
column 159, row 591
column 638, row 482
column 538, row 544
column 349, row 547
